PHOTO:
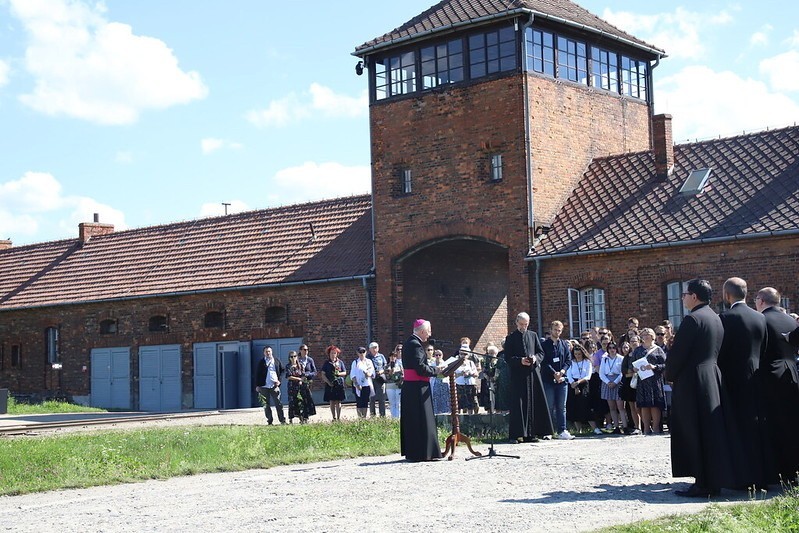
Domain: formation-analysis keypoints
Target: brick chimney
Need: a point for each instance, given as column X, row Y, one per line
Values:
column 5, row 244
column 87, row 230
column 663, row 146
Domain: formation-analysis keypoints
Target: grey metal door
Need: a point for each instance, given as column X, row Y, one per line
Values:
column 159, row 378
column 110, row 378
column 228, row 376
column 205, row 376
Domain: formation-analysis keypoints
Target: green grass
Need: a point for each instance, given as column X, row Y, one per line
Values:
column 48, row 407
column 777, row 514
column 107, row 457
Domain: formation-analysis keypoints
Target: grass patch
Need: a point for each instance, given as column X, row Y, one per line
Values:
column 48, row 407
column 108, row 457
column 777, row 514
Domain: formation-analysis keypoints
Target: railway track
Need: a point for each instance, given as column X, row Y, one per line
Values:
column 37, row 427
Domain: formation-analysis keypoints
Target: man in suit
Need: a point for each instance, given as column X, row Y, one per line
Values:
column 739, row 359
column 700, row 444
column 267, row 384
column 529, row 415
column 781, row 385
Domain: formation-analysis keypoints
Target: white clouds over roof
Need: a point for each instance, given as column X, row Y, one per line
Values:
column 782, row 71
column 28, row 203
column 678, row 33
column 318, row 100
column 211, row 144
column 720, row 103
column 89, row 68
column 316, row 181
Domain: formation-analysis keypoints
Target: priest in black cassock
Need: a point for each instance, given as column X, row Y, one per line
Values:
column 739, row 360
column 529, row 413
column 418, row 434
column 701, row 443
column 781, row 385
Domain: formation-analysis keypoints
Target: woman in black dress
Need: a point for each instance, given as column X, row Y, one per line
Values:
column 650, row 397
column 627, row 392
column 578, row 403
column 333, row 374
column 300, row 402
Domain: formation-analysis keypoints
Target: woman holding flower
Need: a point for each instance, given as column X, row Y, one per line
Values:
column 300, row 402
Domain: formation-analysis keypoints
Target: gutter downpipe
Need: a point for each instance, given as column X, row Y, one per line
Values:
column 528, row 154
column 368, row 311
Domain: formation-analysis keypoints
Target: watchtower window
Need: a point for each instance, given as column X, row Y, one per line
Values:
column 442, row 64
column 496, row 167
column 572, row 60
column 540, row 51
column 491, row 52
column 407, row 181
column 604, row 69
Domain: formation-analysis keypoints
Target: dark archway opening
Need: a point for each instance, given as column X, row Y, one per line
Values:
column 461, row 286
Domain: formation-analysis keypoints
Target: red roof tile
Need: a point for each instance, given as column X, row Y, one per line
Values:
column 453, row 13
column 241, row 250
column 753, row 188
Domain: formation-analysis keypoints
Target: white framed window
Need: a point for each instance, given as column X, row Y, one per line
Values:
column 674, row 307
column 586, row 309
column 407, row 181
column 496, row 167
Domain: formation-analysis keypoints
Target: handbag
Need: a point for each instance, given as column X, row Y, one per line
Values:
column 634, row 381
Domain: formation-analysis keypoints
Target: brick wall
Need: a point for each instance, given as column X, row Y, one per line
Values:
column 634, row 282
column 321, row 315
column 446, row 140
column 570, row 125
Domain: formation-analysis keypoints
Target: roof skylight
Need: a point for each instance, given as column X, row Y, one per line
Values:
column 696, row 182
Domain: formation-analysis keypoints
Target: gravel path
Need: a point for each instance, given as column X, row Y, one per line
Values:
column 556, row 485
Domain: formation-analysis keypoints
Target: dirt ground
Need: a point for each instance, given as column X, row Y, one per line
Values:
column 575, row 485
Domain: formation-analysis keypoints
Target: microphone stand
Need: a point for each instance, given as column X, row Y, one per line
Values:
column 490, row 381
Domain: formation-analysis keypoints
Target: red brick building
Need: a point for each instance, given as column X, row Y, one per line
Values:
column 516, row 166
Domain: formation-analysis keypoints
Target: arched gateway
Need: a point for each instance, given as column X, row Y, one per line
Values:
column 458, row 283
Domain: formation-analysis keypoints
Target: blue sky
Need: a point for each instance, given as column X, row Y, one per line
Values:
column 152, row 111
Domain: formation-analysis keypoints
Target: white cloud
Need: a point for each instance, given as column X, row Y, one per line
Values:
column 211, row 144
column 318, row 100
column 89, row 68
column 793, row 40
column 761, row 37
column 678, row 33
column 782, row 71
column 4, row 69
column 706, row 104
column 316, row 181
column 217, row 209
column 36, row 204
column 124, row 157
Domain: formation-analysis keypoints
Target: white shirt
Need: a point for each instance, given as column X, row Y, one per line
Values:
column 579, row 370
column 362, row 372
column 271, row 374
column 610, row 367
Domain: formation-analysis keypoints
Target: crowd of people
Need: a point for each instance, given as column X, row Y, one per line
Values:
column 726, row 386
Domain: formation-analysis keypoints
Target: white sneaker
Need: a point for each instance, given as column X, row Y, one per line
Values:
column 597, row 431
column 565, row 435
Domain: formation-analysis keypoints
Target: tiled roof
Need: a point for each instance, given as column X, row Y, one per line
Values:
column 452, row 13
column 753, row 189
column 241, row 250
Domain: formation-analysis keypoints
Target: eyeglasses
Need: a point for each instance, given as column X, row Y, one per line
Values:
column 685, row 294
column 429, row 350
column 303, row 349
column 660, row 334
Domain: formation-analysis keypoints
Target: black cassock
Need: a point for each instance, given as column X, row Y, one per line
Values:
column 418, row 434
column 781, row 383
column 701, row 430
column 529, row 413
column 739, row 359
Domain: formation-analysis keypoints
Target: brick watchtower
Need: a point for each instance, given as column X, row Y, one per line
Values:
column 483, row 116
